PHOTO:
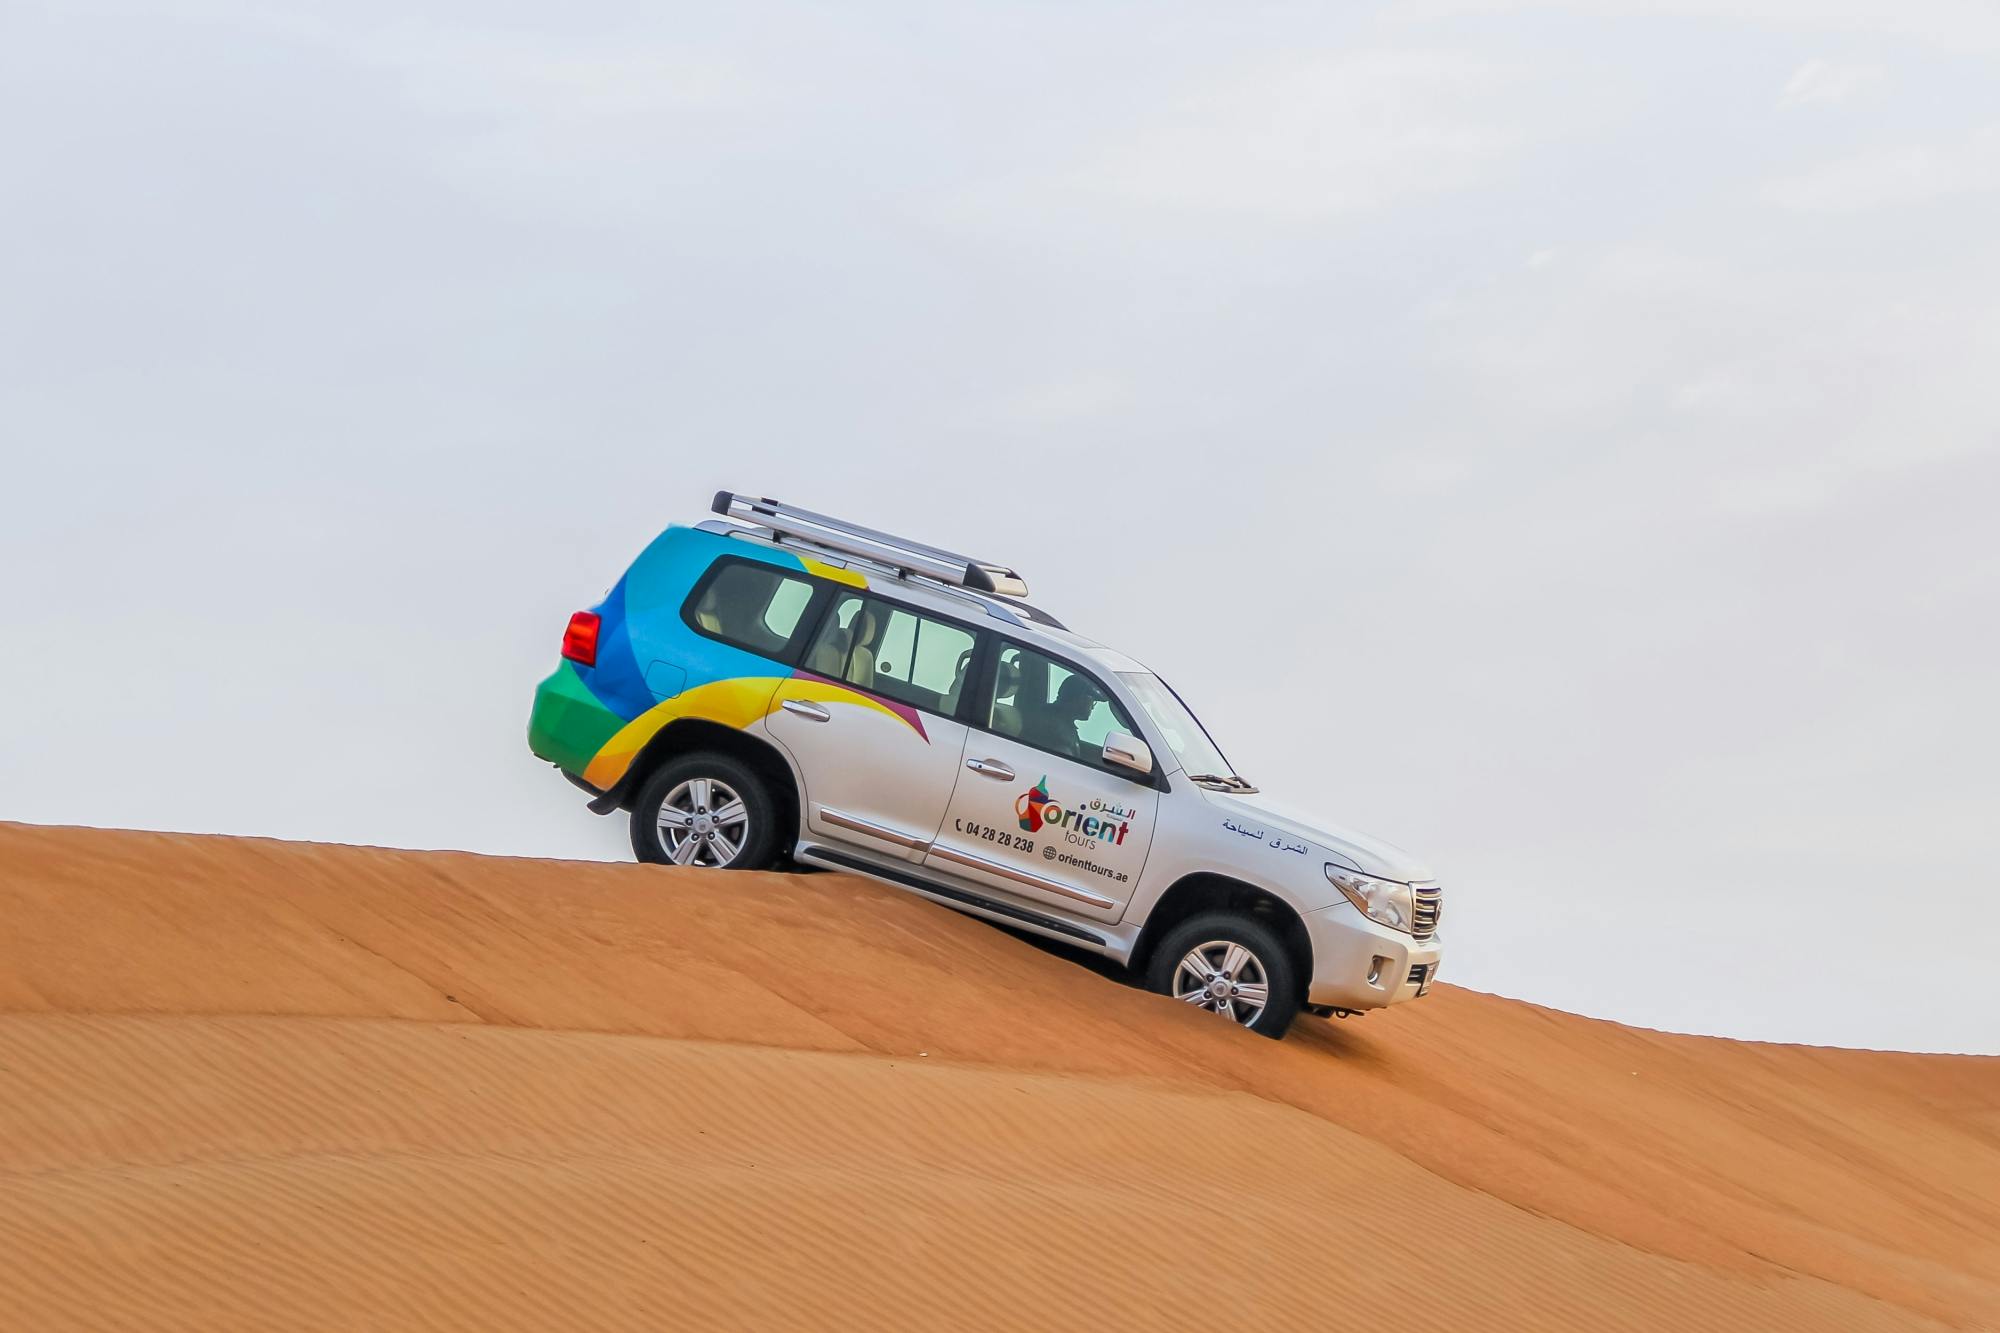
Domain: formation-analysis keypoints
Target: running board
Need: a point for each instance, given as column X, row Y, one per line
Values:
column 931, row 886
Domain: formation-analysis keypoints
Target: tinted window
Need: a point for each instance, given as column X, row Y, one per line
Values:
column 782, row 616
column 893, row 651
column 753, row 606
column 1051, row 706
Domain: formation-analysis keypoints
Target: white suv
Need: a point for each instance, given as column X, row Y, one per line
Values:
column 781, row 683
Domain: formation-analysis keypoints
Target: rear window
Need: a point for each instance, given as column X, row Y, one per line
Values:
column 753, row 606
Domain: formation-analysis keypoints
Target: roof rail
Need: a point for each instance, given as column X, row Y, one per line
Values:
column 899, row 553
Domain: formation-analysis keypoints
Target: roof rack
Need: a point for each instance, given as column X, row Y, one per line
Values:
column 898, row 553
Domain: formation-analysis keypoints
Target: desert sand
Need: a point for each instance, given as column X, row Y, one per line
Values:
column 258, row 1085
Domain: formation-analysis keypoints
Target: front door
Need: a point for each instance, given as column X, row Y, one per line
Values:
column 1036, row 813
column 869, row 716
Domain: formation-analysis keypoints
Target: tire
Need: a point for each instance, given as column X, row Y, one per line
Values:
column 671, row 819
column 1212, row 937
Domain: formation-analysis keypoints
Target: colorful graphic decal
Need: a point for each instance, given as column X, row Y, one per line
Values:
column 734, row 703
column 1031, row 805
column 740, row 703
column 1037, row 810
column 833, row 691
column 833, row 573
column 594, row 720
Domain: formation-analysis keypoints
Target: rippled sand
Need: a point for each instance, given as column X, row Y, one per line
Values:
column 257, row 1085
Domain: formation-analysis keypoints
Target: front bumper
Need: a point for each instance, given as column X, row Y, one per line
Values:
column 1359, row 964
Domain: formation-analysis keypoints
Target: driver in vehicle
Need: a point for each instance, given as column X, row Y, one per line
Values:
column 1075, row 701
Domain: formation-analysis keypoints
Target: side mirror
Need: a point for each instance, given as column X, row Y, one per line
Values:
column 1128, row 751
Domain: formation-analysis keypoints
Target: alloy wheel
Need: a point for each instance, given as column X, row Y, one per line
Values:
column 1224, row 978
column 703, row 822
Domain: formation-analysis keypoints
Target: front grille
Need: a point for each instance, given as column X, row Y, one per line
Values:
column 1419, row 973
column 1430, row 910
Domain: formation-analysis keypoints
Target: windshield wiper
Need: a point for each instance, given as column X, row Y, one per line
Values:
column 1228, row 781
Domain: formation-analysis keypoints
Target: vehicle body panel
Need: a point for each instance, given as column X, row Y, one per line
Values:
column 1266, row 816
column 1047, row 828
column 887, row 785
column 895, row 801
column 653, row 668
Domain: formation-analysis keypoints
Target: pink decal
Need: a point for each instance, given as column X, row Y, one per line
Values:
column 903, row 711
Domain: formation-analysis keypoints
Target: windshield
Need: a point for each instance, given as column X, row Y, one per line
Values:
column 1185, row 737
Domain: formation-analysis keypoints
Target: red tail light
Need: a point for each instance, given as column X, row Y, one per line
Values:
column 580, row 639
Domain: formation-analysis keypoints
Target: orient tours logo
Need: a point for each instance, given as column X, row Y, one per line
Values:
column 1033, row 804
column 1038, row 810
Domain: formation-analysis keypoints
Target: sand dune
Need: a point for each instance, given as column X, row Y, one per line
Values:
column 252, row 1085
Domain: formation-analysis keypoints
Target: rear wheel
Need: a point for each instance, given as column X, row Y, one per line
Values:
column 705, row 810
column 1230, row 965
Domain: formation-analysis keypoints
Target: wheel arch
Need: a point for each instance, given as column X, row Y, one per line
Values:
column 1207, row 891
column 692, row 735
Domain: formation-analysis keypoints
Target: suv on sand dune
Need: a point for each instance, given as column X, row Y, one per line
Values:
column 780, row 683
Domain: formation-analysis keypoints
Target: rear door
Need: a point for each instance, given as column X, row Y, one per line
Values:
column 869, row 716
column 1036, row 814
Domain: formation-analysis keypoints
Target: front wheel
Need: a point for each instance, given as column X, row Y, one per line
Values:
column 705, row 810
column 1232, row 965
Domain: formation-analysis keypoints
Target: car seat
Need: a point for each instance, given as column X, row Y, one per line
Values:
column 861, row 660
column 829, row 656
column 951, row 696
column 1007, row 685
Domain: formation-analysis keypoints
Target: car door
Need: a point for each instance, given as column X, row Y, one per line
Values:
column 1036, row 813
column 868, row 715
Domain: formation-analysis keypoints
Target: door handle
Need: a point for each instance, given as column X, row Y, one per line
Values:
column 811, row 712
column 991, row 768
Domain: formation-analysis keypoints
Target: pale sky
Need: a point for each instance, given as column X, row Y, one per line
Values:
column 1563, row 439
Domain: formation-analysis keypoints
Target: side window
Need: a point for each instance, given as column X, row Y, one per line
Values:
column 893, row 651
column 1103, row 717
column 1041, row 702
column 782, row 616
column 753, row 606
column 828, row 654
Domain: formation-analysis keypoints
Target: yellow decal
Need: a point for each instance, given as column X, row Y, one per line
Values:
column 737, row 703
column 832, row 692
column 833, row 572
column 734, row 703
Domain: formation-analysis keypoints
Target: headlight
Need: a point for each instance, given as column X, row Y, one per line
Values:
column 1380, row 900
